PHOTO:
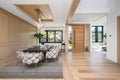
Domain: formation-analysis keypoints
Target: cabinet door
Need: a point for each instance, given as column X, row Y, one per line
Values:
column 3, row 28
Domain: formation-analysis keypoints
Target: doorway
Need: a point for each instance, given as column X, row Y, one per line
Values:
column 79, row 38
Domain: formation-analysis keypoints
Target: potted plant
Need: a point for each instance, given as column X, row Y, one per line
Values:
column 104, row 42
column 38, row 36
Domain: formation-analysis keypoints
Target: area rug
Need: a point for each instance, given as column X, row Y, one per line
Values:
column 49, row 69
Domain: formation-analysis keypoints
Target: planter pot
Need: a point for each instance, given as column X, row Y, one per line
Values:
column 104, row 49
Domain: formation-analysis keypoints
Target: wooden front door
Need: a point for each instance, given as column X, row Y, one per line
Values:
column 78, row 38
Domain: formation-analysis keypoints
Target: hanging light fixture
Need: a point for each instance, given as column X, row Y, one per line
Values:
column 41, row 27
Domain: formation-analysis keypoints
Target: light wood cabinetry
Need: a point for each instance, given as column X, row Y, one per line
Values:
column 3, row 28
column 14, row 34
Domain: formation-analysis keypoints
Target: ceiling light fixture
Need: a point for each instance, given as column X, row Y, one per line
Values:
column 41, row 27
column 40, row 13
column 41, row 16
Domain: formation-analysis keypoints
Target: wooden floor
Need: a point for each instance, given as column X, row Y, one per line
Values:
column 87, row 66
column 90, row 66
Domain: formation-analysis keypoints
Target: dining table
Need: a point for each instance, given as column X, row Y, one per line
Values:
column 36, row 49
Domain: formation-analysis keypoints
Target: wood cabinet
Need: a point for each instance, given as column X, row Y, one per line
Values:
column 3, row 28
column 15, row 33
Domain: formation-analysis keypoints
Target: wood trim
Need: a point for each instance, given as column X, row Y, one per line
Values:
column 78, row 24
column 66, row 38
column 72, row 9
column 74, row 37
column 47, row 20
column 89, row 38
column 118, row 39
column 36, row 11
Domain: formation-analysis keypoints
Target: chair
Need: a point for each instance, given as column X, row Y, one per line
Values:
column 32, row 58
column 20, row 56
column 52, row 54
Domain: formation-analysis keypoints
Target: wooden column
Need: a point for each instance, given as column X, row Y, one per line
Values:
column 66, row 38
column 118, row 39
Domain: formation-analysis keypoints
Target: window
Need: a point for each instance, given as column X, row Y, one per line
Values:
column 93, row 34
column 43, row 39
column 58, row 37
column 97, row 33
column 52, row 36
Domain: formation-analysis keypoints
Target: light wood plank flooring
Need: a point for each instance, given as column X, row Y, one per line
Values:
column 87, row 66
column 92, row 66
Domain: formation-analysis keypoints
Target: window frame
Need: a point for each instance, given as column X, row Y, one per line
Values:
column 96, row 34
column 46, row 31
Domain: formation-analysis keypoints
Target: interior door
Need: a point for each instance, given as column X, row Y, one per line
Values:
column 78, row 38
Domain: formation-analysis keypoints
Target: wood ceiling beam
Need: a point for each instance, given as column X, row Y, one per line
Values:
column 74, row 5
column 36, row 11
column 47, row 20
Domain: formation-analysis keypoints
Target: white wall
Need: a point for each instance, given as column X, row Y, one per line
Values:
column 101, row 21
column 112, row 30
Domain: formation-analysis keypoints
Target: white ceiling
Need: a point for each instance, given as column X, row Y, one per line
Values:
column 86, row 17
column 59, row 9
column 88, row 10
column 93, row 6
